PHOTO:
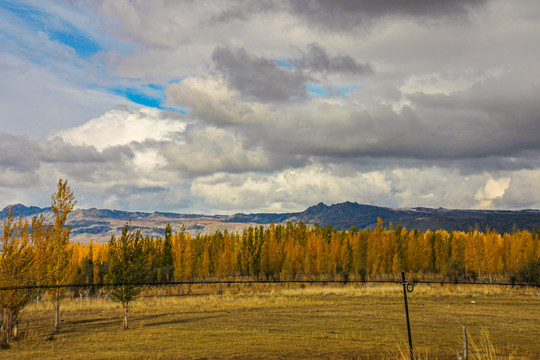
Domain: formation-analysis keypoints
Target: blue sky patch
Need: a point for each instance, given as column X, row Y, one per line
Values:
column 285, row 62
column 319, row 90
column 81, row 44
column 151, row 95
column 29, row 15
column 142, row 99
column 56, row 28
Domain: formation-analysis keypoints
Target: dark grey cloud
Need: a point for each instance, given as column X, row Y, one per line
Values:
column 525, row 160
column 58, row 151
column 242, row 10
column 493, row 118
column 344, row 14
column 259, row 78
column 407, row 135
column 316, row 59
column 17, row 153
column 25, row 156
column 20, row 153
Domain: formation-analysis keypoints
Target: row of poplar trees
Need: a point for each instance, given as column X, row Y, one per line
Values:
column 295, row 251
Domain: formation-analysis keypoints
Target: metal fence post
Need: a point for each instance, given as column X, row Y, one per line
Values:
column 407, row 287
column 465, row 345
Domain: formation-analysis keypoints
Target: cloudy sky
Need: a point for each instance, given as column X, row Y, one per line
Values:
column 226, row 106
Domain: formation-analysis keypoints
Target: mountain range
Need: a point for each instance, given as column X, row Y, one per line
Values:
column 99, row 224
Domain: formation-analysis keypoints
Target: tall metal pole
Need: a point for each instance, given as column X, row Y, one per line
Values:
column 407, row 287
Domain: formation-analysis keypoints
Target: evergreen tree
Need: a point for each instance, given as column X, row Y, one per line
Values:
column 127, row 267
column 167, row 269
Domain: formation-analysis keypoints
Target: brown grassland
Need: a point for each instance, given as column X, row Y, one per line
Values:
column 289, row 322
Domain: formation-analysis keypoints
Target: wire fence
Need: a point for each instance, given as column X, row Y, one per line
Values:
column 247, row 282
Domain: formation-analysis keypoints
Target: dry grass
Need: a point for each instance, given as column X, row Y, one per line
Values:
column 273, row 322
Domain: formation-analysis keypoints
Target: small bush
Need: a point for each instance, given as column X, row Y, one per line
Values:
column 529, row 273
column 362, row 273
column 457, row 273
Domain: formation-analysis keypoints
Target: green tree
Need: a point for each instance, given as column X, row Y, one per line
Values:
column 167, row 269
column 127, row 267
column 59, row 270
column 346, row 260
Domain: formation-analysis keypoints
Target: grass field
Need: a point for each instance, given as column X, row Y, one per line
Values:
column 282, row 322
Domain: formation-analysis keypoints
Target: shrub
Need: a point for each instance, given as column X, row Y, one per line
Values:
column 456, row 273
column 529, row 273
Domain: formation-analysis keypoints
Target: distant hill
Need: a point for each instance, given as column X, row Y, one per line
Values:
column 99, row 224
column 348, row 214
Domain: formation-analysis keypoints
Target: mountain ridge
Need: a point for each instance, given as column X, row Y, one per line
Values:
column 100, row 224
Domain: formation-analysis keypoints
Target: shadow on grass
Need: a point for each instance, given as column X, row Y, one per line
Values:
column 90, row 321
column 185, row 320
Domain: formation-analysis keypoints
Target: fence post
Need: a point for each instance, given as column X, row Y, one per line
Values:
column 465, row 345
column 407, row 287
column 219, row 288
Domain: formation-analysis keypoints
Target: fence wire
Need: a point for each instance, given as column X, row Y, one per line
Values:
column 225, row 282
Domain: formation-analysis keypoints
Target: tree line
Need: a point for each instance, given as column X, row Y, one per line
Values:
column 36, row 253
column 295, row 251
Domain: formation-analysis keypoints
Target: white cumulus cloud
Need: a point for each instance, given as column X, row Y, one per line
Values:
column 121, row 127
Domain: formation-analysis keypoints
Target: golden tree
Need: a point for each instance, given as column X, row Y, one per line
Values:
column 16, row 270
column 63, row 202
column 225, row 262
column 39, row 236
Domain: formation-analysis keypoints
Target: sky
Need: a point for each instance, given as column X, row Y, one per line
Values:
column 270, row 106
